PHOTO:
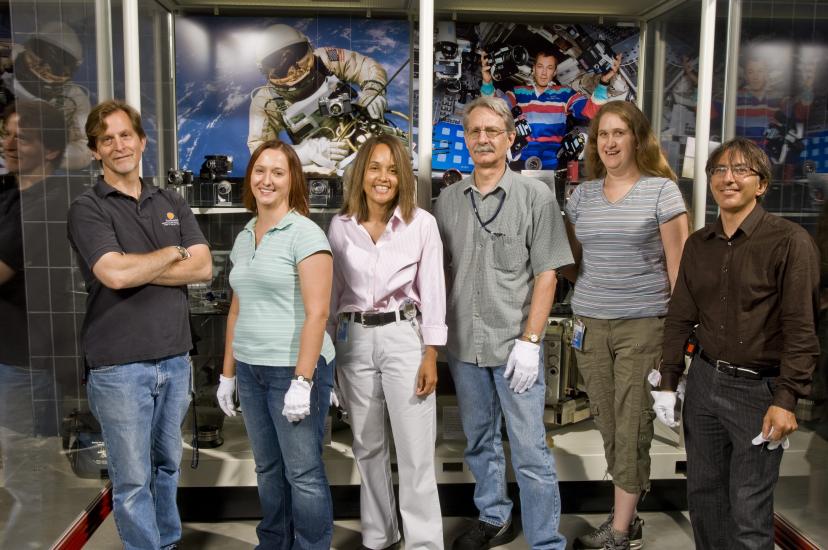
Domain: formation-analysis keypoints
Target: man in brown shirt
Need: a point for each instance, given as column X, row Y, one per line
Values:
column 750, row 282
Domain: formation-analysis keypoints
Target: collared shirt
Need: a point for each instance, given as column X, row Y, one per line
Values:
column 134, row 324
column 406, row 263
column 754, row 297
column 266, row 280
column 491, row 271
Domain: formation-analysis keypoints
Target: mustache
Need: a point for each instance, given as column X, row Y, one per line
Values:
column 484, row 149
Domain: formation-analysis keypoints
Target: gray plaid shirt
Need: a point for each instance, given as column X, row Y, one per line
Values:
column 490, row 274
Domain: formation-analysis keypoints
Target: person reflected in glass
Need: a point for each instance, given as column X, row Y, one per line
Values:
column 277, row 348
column 388, row 314
column 33, row 143
column 627, row 228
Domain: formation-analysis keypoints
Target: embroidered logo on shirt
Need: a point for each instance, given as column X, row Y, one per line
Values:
column 171, row 220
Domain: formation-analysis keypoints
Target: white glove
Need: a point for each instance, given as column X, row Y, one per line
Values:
column 225, row 393
column 376, row 107
column 321, row 151
column 522, row 365
column 335, row 401
column 772, row 445
column 297, row 401
column 664, row 405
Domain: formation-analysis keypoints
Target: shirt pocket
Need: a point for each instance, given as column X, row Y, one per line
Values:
column 509, row 253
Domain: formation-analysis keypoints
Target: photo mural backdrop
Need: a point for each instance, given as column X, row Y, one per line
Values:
column 582, row 54
column 323, row 84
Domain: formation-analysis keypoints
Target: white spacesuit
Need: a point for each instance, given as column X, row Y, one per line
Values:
column 298, row 77
column 43, row 68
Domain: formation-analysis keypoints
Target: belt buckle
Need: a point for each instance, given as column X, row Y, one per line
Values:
column 724, row 367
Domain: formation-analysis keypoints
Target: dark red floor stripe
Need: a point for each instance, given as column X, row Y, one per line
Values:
column 788, row 537
column 79, row 533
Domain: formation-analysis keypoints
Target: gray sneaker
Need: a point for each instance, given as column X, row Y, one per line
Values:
column 596, row 539
column 617, row 541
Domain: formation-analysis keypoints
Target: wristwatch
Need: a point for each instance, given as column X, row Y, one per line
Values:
column 531, row 337
column 183, row 251
column 301, row 378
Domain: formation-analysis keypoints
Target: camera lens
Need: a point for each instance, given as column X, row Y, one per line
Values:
column 335, row 109
column 520, row 55
column 533, row 163
column 223, row 188
column 318, row 187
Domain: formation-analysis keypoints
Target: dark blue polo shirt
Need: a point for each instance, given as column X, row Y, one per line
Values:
column 135, row 324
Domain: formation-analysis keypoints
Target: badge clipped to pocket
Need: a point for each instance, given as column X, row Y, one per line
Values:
column 342, row 330
column 409, row 310
column 578, row 335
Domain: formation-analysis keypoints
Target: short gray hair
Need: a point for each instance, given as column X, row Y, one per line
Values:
column 494, row 104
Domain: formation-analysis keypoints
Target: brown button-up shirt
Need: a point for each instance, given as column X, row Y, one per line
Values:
column 755, row 298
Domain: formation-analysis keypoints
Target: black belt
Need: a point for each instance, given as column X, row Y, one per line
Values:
column 371, row 319
column 753, row 373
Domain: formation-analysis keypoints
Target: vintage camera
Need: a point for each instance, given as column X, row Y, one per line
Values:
column 179, row 178
column 447, row 57
column 325, row 192
column 335, row 105
column 215, row 167
column 506, row 61
column 572, row 146
column 522, row 131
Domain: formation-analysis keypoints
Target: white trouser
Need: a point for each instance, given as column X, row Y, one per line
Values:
column 377, row 370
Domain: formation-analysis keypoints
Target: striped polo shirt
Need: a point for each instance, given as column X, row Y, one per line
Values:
column 754, row 114
column 266, row 280
column 623, row 273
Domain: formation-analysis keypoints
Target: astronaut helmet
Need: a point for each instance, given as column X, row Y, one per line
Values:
column 286, row 57
column 52, row 54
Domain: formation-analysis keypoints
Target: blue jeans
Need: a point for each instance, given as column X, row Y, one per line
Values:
column 482, row 394
column 141, row 407
column 297, row 512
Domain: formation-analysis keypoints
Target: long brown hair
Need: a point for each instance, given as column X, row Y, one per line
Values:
column 298, row 194
column 648, row 156
column 355, row 203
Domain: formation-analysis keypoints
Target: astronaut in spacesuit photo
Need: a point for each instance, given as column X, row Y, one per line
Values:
column 308, row 92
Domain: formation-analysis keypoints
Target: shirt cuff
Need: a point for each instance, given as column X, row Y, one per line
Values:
column 434, row 335
column 670, row 375
column 784, row 398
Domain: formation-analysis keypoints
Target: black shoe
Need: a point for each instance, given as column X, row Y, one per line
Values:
column 485, row 535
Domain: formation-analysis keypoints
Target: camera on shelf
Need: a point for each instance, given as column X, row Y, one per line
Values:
column 335, row 105
column 325, row 192
column 179, row 178
column 215, row 167
column 507, row 61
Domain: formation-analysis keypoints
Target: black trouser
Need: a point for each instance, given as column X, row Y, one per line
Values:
column 730, row 481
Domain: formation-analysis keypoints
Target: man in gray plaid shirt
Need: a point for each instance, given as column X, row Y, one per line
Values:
column 503, row 239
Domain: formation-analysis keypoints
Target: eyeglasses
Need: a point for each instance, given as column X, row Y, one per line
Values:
column 740, row 171
column 491, row 133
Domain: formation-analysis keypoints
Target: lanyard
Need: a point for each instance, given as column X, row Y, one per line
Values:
column 496, row 212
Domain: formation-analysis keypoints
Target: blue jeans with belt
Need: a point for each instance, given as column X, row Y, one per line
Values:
column 140, row 407
column 297, row 512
